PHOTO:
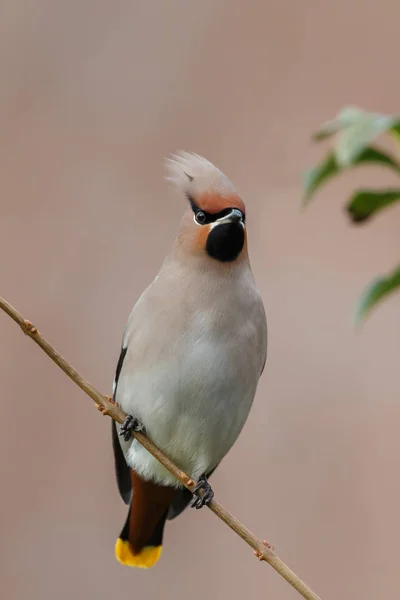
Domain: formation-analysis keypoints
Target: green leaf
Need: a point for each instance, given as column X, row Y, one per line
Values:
column 378, row 290
column 346, row 117
column 396, row 129
column 356, row 129
column 365, row 203
column 316, row 177
column 319, row 175
column 395, row 133
column 353, row 139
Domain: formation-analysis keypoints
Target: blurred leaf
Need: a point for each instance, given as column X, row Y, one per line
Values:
column 319, row 175
column 379, row 289
column 395, row 132
column 346, row 117
column 396, row 128
column 314, row 178
column 356, row 129
column 353, row 139
column 365, row 203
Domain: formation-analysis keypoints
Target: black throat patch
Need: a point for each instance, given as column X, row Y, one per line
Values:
column 225, row 242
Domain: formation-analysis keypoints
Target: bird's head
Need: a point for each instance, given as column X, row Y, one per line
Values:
column 214, row 224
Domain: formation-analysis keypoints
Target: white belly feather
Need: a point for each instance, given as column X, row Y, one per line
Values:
column 195, row 393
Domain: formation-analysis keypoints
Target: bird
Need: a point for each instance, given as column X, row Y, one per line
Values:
column 192, row 353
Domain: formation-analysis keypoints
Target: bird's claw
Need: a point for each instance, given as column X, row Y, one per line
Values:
column 202, row 500
column 130, row 425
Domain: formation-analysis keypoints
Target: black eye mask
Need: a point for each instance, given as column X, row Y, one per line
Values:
column 208, row 217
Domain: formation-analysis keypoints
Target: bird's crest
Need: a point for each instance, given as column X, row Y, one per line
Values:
column 202, row 182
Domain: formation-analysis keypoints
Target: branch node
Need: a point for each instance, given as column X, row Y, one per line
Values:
column 103, row 409
column 187, row 480
column 268, row 545
column 261, row 555
column 29, row 327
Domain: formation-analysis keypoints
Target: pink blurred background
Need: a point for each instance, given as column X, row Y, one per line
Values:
column 94, row 95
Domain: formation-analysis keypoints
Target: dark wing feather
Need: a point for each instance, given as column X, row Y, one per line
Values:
column 122, row 470
column 179, row 503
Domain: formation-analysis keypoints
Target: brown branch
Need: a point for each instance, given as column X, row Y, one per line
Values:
column 262, row 549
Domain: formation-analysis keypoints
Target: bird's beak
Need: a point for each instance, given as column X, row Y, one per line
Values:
column 235, row 216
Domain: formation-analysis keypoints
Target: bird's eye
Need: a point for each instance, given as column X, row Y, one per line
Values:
column 200, row 217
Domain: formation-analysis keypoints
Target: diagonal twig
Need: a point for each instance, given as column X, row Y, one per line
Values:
column 262, row 549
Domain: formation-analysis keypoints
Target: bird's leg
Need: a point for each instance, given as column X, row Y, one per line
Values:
column 202, row 500
column 129, row 425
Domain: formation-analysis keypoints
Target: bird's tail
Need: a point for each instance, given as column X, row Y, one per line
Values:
column 140, row 541
column 144, row 554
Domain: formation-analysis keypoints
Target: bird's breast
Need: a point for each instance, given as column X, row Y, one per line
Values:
column 190, row 375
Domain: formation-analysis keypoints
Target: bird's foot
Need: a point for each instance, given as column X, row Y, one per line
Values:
column 130, row 425
column 205, row 498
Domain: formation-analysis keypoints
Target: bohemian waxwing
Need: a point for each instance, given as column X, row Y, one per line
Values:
column 192, row 353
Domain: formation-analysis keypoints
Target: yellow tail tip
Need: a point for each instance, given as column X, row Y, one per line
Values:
column 145, row 559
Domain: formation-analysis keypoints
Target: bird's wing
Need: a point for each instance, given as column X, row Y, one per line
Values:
column 122, row 471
